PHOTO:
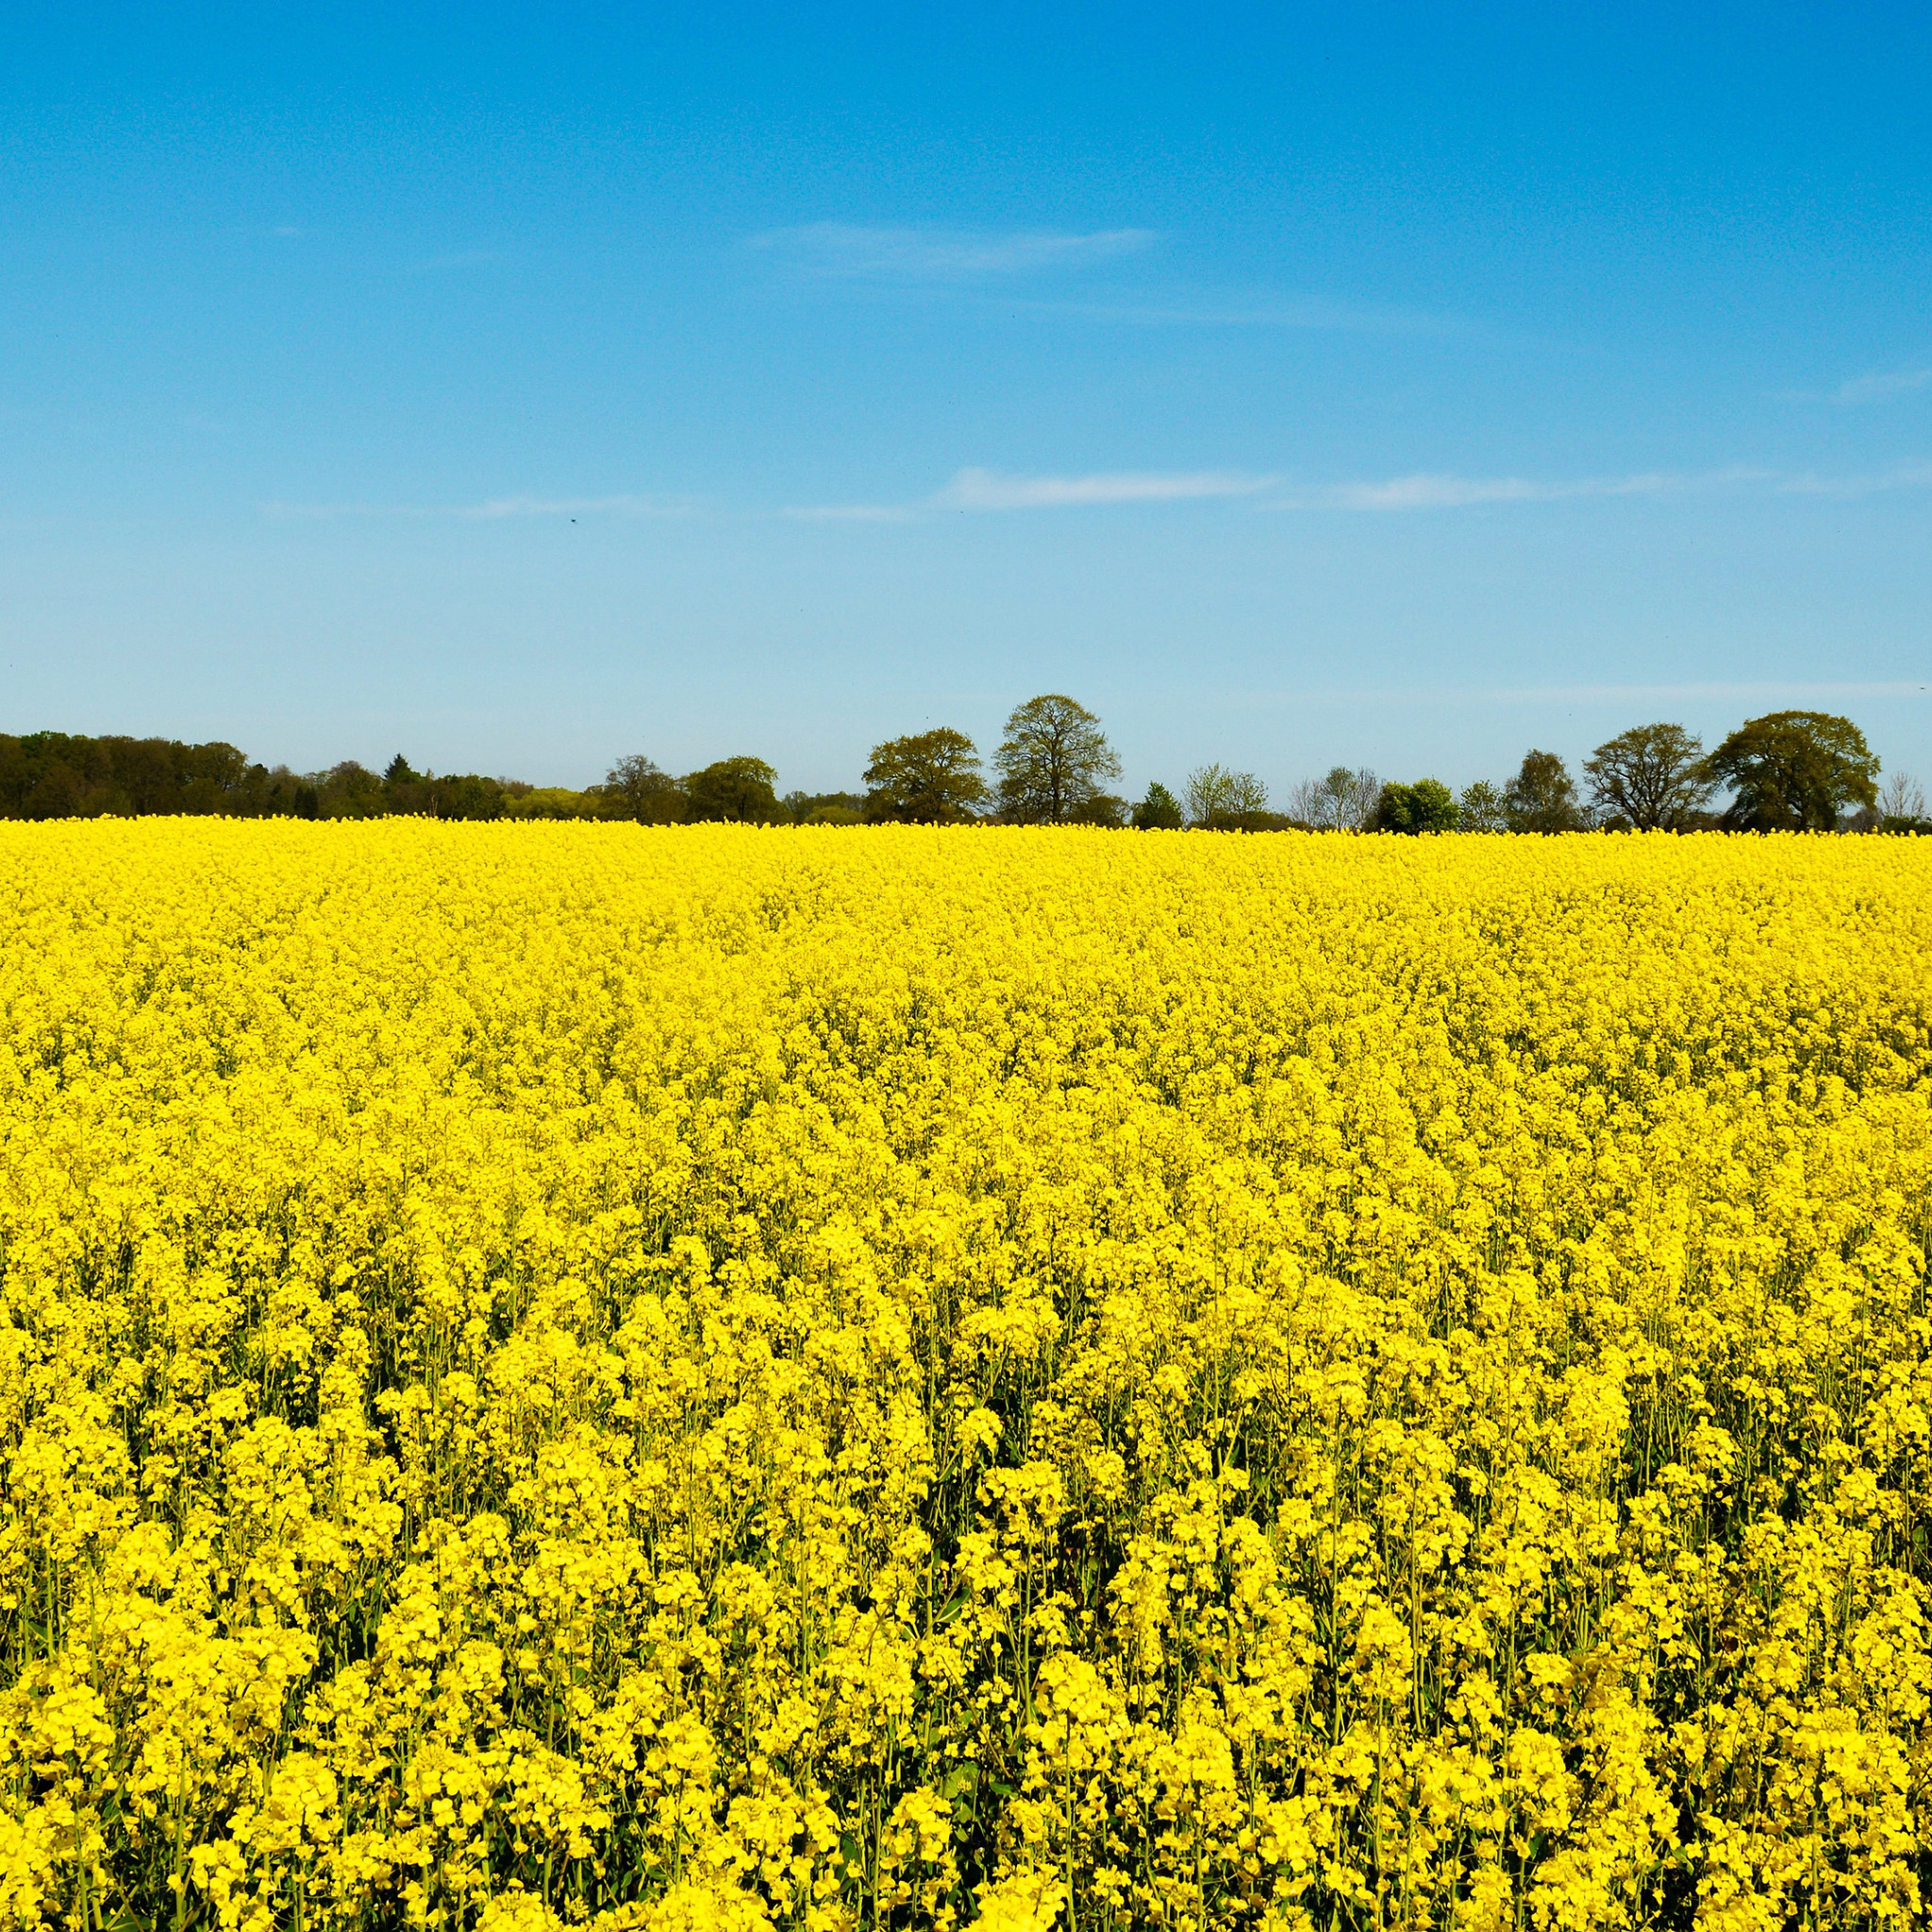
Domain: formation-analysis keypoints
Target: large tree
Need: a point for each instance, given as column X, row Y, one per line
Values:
column 1651, row 776
column 1480, row 808
column 1054, row 758
column 1159, row 811
column 925, row 778
column 1345, row 801
column 634, row 788
column 1795, row 772
column 1427, row 806
column 1216, row 797
column 737, row 790
column 1542, row 796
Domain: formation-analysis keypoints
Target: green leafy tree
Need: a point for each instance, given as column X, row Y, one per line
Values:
column 1053, row 758
column 1159, row 811
column 1795, row 772
column 1102, row 808
column 1215, row 797
column 1651, row 777
column 1427, row 806
column 926, row 778
column 1542, row 796
column 1480, row 808
column 734, row 792
column 636, row 789
column 350, row 790
column 825, row 807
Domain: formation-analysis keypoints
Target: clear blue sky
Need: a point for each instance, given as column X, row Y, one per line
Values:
column 517, row 387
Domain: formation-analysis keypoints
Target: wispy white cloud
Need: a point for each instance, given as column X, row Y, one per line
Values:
column 989, row 490
column 1421, row 491
column 1436, row 490
column 1881, row 387
column 493, row 510
column 1900, row 476
column 942, row 255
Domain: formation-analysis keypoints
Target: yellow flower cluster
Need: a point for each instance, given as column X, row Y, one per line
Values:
column 711, row 1377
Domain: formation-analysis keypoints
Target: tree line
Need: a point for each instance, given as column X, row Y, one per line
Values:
column 1789, row 771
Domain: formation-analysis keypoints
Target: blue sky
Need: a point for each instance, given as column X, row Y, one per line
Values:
column 520, row 388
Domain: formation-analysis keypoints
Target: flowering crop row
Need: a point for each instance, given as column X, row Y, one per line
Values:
column 559, row 1375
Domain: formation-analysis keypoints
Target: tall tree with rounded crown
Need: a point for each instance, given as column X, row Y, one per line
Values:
column 1795, row 772
column 924, row 778
column 1054, row 759
column 1651, row 776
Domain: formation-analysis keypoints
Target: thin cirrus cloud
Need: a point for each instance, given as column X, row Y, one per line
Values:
column 848, row 251
column 1423, row 490
column 1426, row 490
column 990, row 489
column 1883, row 385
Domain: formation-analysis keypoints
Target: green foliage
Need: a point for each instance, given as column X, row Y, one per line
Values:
column 49, row 774
column 1216, row 799
column 826, row 807
column 1542, row 796
column 925, row 778
column 1651, row 778
column 734, row 792
column 1159, row 811
column 636, row 789
column 1795, row 772
column 1427, row 806
column 1052, row 761
column 1102, row 808
column 1480, row 808
column 550, row 802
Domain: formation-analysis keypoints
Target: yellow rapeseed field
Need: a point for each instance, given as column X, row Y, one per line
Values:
column 584, row 1375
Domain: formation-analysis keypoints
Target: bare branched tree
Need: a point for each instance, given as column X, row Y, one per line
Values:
column 1345, row 801
column 1901, row 797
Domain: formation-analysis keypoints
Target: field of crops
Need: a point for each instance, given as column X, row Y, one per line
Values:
column 561, row 1375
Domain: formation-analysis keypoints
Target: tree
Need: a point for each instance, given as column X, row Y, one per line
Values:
column 349, row 791
column 1427, row 806
column 634, row 788
column 1901, row 806
column 825, row 807
column 1102, row 808
column 928, row 778
column 1159, row 811
column 1480, row 808
column 1651, row 776
column 1345, row 801
column 1052, row 761
column 1901, row 797
column 1795, row 772
column 1215, row 797
column 734, row 792
column 1542, row 796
